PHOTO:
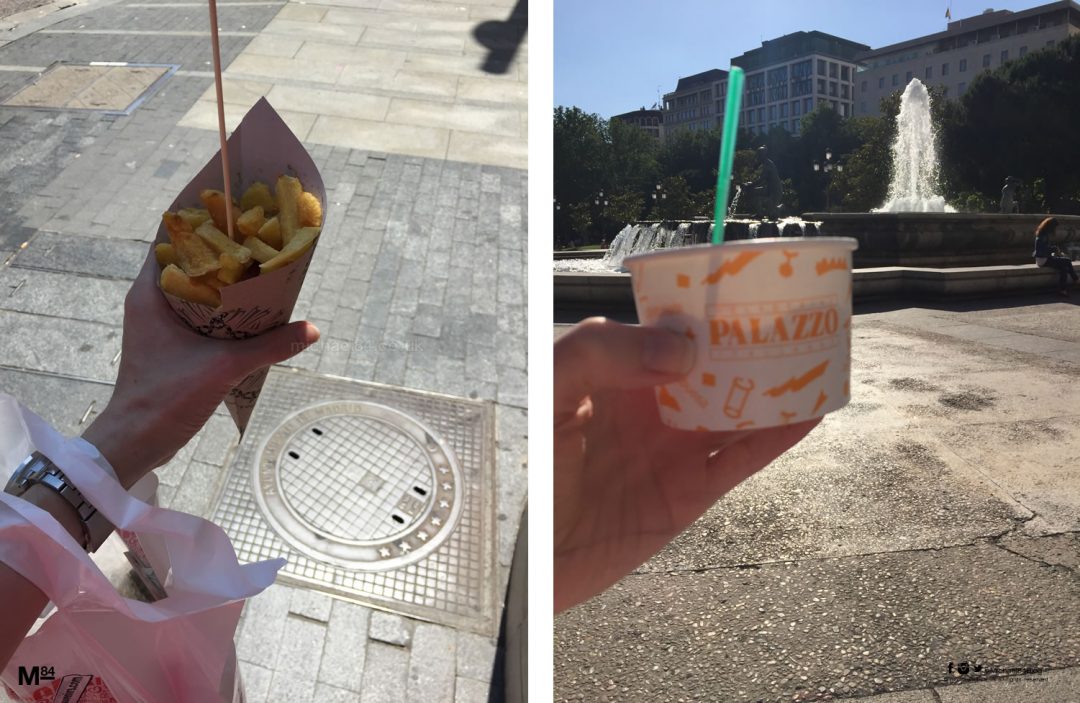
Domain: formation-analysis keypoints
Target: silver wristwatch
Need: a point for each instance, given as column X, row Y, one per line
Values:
column 38, row 468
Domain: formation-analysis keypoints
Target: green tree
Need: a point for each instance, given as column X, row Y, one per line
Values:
column 679, row 203
column 623, row 208
column 631, row 162
column 579, row 219
column 580, row 154
column 691, row 155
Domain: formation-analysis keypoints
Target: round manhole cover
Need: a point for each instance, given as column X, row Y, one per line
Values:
column 359, row 485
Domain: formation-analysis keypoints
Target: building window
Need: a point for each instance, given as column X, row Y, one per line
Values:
column 908, row 77
column 835, row 106
column 843, row 110
column 1004, row 56
column 807, row 105
column 833, row 69
column 772, row 114
column 960, row 88
column 820, row 67
column 944, row 69
column 832, row 88
column 783, row 110
column 845, row 73
column 986, row 60
column 929, row 72
column 821, row 85
column 881, row 82
column 796, row 108
column 1023, row 51
column 761, row 114
column 844, row 91
column 895, row 79
column 963, row 65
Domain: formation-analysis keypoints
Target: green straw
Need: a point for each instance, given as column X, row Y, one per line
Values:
column 727, row 150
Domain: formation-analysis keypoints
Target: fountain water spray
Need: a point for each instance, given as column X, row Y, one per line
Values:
column 914, row 186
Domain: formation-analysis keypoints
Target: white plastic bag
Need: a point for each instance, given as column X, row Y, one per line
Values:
column 97, row 645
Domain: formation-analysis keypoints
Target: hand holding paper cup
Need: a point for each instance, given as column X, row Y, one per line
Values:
column 771, row 319
column 225, row 302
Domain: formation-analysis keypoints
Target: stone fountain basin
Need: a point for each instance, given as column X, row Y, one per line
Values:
column 943, row 240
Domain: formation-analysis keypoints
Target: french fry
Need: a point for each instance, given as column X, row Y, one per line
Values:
column 221, row 244
column 200, row 258
column 271, row 233
column 166, row 255
column 250, row 222
column 309, row 210
column 260, row 250
column 231, row 268
column 214, row 200
column 288, row 194
column 196, row 258
column 292, row 251
column 194, row 216
column 258, row 195
column 178, row 283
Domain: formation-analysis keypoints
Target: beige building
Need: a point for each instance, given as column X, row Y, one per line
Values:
column 786, row 78
column 789, row 77
column 694, row 102
column 649, row 121
column 951, row 59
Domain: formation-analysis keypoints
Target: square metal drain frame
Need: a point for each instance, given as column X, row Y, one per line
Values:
column 107, row 87
column 454, row 585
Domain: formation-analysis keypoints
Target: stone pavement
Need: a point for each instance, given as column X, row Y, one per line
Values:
column 419, row 280
column 934, row 520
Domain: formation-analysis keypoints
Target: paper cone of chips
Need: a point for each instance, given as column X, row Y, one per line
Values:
column 262, row 149
column 771, row 319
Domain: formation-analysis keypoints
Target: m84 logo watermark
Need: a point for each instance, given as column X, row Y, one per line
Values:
column 34, row 675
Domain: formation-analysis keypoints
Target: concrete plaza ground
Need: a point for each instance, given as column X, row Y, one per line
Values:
column 414, row 111
column 934, row 520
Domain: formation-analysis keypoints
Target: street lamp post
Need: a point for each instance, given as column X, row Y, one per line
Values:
column 828, row 168
column 658, row 195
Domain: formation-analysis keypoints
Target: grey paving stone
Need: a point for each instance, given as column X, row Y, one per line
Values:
column 513, row 387
column 301, row 650
column 256, row 680
column 333, row 694
column 264, row 626
column 172, row 473
column 196, row 493
column 432, row 664
column 60, row 401
column 74, row 253
column 335, row 356
column 73, row 348
column 390, row 628
column 471, row 691
column 475, row 656
column 311, row 604
column 385, row 674
column 217, row 439
column 286, row 688
column 63, row 295
column 346, row 646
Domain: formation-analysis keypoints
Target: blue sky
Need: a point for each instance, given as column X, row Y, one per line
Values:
column 612, row 56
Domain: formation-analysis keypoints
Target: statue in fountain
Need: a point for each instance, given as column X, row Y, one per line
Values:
column 1009, row 201
column 767, row 190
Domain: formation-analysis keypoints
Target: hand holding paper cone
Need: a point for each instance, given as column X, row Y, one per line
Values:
column 258, row 283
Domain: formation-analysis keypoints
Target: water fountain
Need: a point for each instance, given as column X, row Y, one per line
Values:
column 914, row 186
column 915, row 244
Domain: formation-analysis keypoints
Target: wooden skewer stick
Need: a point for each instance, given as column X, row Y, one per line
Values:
column 221, row 118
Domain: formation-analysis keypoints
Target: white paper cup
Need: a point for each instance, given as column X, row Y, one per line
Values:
column 772, row 322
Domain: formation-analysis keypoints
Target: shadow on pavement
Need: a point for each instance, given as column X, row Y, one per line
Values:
column 503, row 38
